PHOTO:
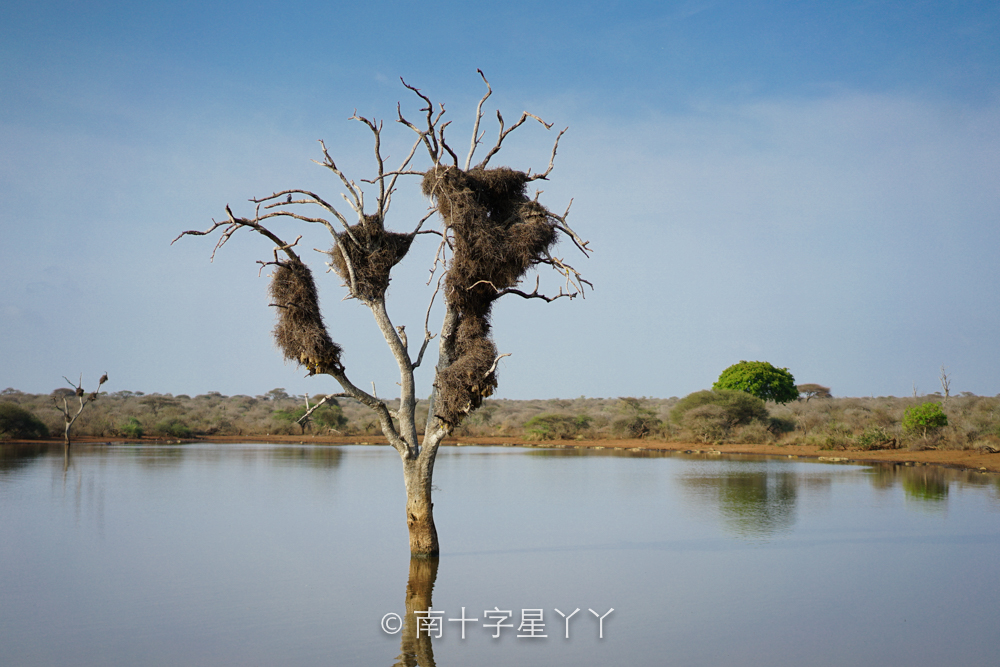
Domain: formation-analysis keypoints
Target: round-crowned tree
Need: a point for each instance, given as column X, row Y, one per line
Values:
column 760, row 379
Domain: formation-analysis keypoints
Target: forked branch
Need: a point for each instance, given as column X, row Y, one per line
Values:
column 503, row 134
column 69, row 418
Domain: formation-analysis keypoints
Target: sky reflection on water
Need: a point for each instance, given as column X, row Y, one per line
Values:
column 261, row 554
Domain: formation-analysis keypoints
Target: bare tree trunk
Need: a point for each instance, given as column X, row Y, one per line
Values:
column 418, row 473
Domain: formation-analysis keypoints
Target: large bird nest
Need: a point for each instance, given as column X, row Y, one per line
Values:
column 300, row 331
column 373, row 252
column 497, row 233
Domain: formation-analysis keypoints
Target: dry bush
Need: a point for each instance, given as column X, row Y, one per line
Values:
column 707, row 422
column 755, row 433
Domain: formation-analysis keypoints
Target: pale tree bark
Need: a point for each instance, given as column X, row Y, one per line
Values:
column 363, row 255
column 69, row 417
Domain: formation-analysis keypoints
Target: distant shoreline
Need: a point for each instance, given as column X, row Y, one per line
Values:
column 977, row 460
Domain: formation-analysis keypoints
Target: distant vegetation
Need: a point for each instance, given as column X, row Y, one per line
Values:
column 716, row 416
column 16, row 422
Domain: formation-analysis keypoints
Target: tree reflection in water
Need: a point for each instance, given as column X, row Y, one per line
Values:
column 753, row 504
column 415, row 647
column 920, row 483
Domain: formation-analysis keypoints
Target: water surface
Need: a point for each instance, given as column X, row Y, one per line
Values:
column 264, row 555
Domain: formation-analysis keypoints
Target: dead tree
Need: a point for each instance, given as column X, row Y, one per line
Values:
column 84, row 398
column 492, row 234
column 945, row 384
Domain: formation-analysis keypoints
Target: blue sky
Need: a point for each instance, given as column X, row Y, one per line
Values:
column 814, row 184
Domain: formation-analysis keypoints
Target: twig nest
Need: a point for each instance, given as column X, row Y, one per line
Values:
column 497, row 234
column 372, row 252
column 300, row 331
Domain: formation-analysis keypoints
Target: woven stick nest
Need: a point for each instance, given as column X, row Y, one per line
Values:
column 497, row 233
column 373, row 252
column 300, row 331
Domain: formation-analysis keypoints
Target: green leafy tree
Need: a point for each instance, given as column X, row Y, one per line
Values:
column 760, row 379
column 923, row 418
column 16, row 422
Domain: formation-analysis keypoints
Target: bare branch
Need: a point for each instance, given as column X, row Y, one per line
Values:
column 495, row 362
column 428, row 336
column 533, row 295
column 552, row 159
column 445, row 145
column 234, row 225
column 312, row 199
column 574, row 281
column 439, row 258
column 476, row 137
column 564, row 227
column 503, row 134
column 429, row 136
column 68, row 418
column 337, row 247
column 329, row 397
column 377, row 131
column 358, row 205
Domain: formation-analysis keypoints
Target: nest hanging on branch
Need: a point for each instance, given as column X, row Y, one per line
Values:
column 497, row 233
column 300, row 331
column 372, row 252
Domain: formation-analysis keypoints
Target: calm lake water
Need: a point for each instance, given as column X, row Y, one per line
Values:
column 276, row 555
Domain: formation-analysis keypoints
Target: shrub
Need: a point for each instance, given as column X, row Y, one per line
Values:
column 132, row 428
column 554, row 427
column 760, row 379
column 708, row 422
column 637, row 421
column 875, row 437
column 16, row 422
column 779, row 425
column 754, row 433
column 173, row 428
column 923, row 418
column 738, row 407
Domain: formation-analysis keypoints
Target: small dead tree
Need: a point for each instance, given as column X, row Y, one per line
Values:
column 69, row 418
column 945, row 384
column 492, row 235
